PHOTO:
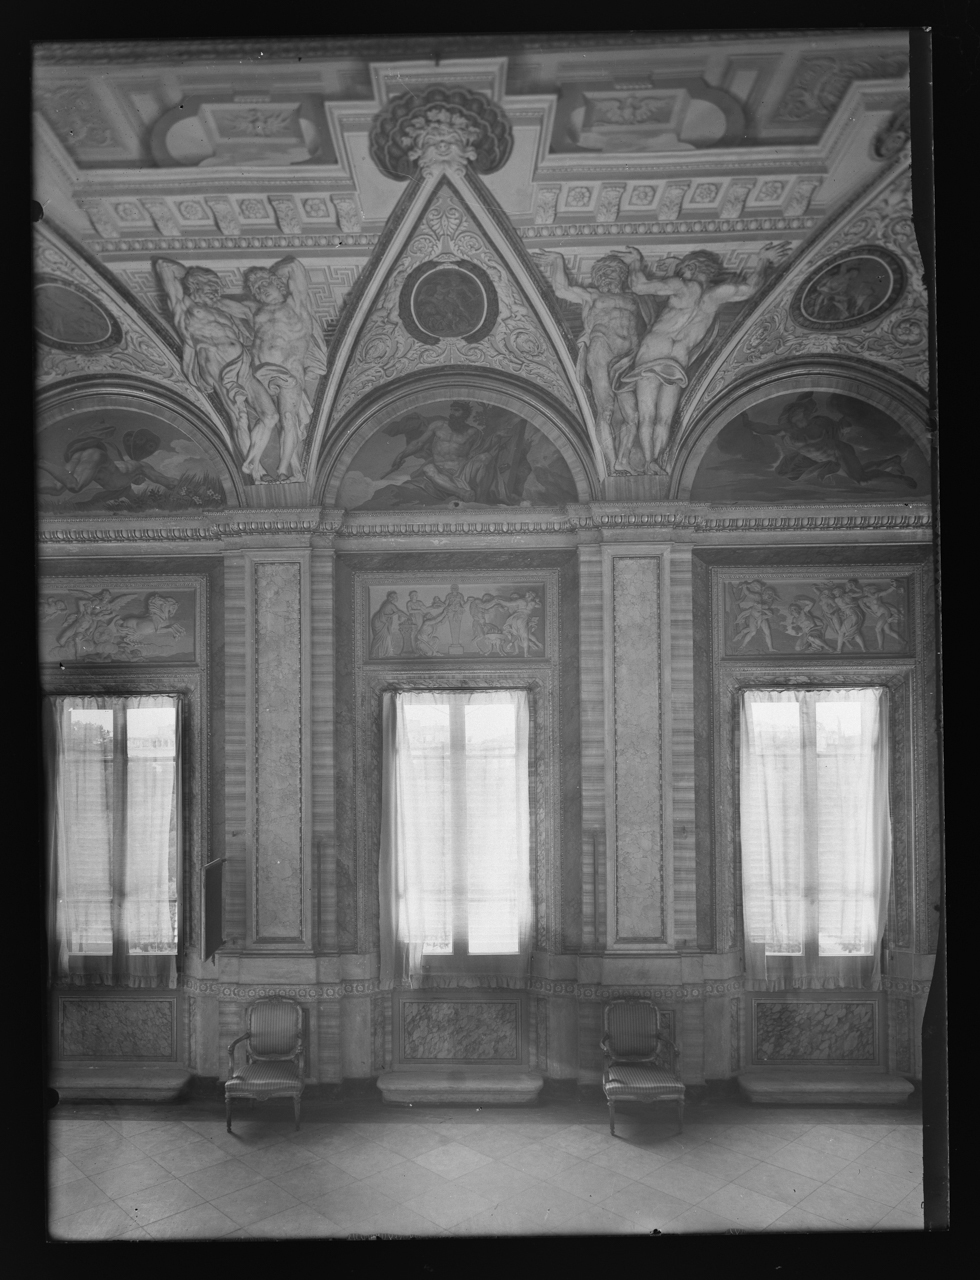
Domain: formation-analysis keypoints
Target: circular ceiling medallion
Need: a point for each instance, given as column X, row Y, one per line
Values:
column 855, row 287
column 448, row 300
column 68, row 317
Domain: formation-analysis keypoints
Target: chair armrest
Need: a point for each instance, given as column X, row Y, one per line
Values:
column 231, row 1049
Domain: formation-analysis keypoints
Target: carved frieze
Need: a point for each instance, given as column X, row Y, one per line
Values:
column 821, row 80
column 429, row 619
column 446, row 235
column 107, row 620
column 804, row 616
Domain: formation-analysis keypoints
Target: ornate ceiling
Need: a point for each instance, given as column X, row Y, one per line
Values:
column 760, row 149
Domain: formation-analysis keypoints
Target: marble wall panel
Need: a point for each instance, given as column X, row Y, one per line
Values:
column 639, row 897
column 122, row 1029
column 830, row 1031
column 450, row 1031
column 278, row 883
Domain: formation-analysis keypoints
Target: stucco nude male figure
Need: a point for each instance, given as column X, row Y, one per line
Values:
column 613, row 323
column 658, row 373
column 287, row 348
column 216, row 331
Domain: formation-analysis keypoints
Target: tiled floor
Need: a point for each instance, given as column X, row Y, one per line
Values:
column 130, row 1172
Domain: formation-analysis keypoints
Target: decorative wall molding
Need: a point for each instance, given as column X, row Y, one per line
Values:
column 249, row 992
column 683, row 518
column 591, row 991
column 684, row 227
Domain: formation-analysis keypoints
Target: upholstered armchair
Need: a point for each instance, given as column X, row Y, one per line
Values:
column 641, row 1062
column 273, row 1056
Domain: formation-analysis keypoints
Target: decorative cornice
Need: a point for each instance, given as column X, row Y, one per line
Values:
column 672, row 994
column 693, row 226
column 156, row 244
column 263, row 991
column 906, row 986
column 502, row 522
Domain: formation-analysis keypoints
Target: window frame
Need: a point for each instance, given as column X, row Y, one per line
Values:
column 542, row 767
column 732, row 680
column 190, row 688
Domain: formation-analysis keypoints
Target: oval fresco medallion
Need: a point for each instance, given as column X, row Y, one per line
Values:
column 68, row 317
column 448, row 300
column 854, row 287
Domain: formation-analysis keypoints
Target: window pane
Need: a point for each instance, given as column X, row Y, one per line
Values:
column 86, row 819
column 150, row 902
column 427, row 817
column 492, row 855
column 846, row 899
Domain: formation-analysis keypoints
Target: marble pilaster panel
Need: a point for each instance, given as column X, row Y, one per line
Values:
column 812, row 1031
column 127, row 1029
column 279, row 880
column 637, row 874
column 447, row 1031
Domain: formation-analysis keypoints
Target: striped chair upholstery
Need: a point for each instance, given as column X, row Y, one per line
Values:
column 273, row 1056
column 641, row 1061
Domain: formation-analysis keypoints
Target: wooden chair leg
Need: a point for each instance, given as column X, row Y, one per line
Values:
column 228, row 1113
column 612, row 1117
column 680, row 1114
column 296, row 1110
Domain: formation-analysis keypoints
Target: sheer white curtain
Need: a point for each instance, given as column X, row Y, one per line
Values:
column 113, row 831
column 454, row 860
column 815, row 836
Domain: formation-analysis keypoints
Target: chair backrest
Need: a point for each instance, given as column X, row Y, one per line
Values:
column 632, row 1027
column 275, row 1027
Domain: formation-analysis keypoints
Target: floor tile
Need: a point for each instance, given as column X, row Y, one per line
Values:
column 497, row 1143
column 159, row 1201
column 634, row 1162
column 540, row 1160
column 747, row 1208
column 886, row 1188
column 278, row 1158
column 844, row 1207
column 219, row 1180
column 68, row 1136
column 131, row 1177
column 130, row 1128
column 398, row 1221
column 751, row 1141
column 909, row 1136
column 190, row 1157
column 253, row 1203
column 448, row 1207
column 350, row 1204
column 896, row 1220
column 300, row 1222
column 61, row 1170
column 452, row 1160
column 597, row 1220
column 579, row 1141
column 202, row 1222
column 698, row 1221
column 134, row 1233
column 901, row 1162
column 646, row 1208
column 778, row 1184
column 408, row 1140
column 683, row 1182
column 544, row 1205
column 834, row 1142
column 496, row 1182
column 812, row 1164
column 99, row 1223
column 914, row 1202
column 500, row 1221
column 73, row 1197
column 363, row 1159
column 797, row 1219
column 720, row 1162
column 164, row 1138
column 405, row 1181
column 309, row 1182
column 107, row 1153
column 591, row 1182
